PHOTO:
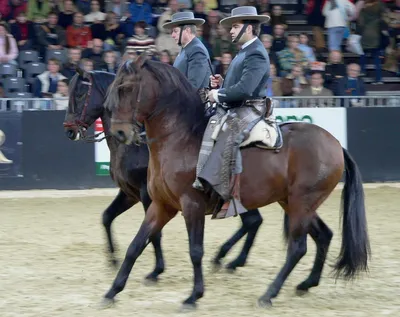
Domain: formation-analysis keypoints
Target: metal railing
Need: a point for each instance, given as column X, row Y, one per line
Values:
column 26, row 104
column 345, row 101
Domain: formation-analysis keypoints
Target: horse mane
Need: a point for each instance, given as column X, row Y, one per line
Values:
column 175, row 97
column 100, row 79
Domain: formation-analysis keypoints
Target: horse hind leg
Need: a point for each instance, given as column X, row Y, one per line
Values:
column 252, row 221
column 322, row 236
column 299, row 223
column 118, row 206
column 155, row 240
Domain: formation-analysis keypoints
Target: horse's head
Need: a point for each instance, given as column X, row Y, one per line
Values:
column 86, row 103
column 131, row 99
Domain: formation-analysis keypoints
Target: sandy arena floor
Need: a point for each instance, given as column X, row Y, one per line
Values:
column 53, row 264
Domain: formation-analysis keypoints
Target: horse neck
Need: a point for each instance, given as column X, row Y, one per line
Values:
column 168, row 133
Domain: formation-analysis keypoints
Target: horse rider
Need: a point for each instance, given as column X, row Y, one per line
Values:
column 193, row 59
column 247, row 75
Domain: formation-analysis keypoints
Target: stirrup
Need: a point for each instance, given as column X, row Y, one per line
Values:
column 197, row 185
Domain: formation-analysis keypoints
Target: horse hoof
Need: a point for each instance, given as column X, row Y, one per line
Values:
column 106, row 303
column 114, row 263
column 150, row 280
column 301, row 292
column 216, row 266
column 264, row 302
column 186, row 307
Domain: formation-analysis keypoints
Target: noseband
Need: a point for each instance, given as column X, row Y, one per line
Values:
column 80, row 124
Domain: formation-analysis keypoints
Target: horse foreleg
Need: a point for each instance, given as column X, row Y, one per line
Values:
column 195, row 220
column 322, row 236
column 119, row 205
column 155, row 240
column 156, row 218
column 252, row 221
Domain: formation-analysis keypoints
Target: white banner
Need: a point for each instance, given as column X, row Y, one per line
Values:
column 101, row 152
column 333, row 120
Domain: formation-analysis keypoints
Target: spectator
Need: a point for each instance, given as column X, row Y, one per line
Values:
column 210, row 27
column 78, row 35
column 38, row 10
column 164, row 40
column 62, row 95
column 199, row 34
column 279, row 42
column 23, row 32
column 334, row 70
column 223, row 44
column 337, row 14
column 46, row 83
column 305, row 48
column 113, row 34
column 140, row 11
column 51, row 36
column 95, row 15
column 140, row 42
column 119, row 7
column 351, row 85
column 199, row 10
column 110, row 62
column 316, row 20
column 291, row 55
column 16, row 7
column 316, row 89
column 274, row 83
column 74, row 56
column 66, row 17
column 266, row 39
column 8, row 46
column 392, row 62
column 95, row 53
column 224, row 63
column 87, row 65
column 5, row 9
column 370, row 26
column 165, row 57
column 295, row 82
column 277, row 17
column 83, row 6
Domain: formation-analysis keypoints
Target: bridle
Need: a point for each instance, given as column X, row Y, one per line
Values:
column 80, row 124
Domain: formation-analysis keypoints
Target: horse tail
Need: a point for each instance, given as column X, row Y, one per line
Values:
column 355, row 250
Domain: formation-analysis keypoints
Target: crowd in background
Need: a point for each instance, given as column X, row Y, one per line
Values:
column 95, row 34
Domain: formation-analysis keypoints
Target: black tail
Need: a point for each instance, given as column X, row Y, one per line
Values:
column 355, row 250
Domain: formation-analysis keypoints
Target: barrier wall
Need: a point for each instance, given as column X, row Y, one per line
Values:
column 35, row 153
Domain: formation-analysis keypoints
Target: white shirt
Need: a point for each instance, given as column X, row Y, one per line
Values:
column 215, row 91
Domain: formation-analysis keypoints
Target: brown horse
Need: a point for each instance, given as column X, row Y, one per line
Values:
column 299, row 177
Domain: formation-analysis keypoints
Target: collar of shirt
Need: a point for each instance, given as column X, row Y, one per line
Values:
column 249, row 42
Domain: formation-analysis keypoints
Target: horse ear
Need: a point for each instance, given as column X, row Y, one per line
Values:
column 141, row 59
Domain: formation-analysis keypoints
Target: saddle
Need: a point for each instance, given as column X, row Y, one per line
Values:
column 262, row 129
column 229, row 130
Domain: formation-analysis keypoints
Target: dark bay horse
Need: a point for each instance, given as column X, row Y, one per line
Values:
column 129, row 167
column 299, row 177
column 128, row 163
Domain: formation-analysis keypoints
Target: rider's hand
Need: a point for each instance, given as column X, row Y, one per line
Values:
column 216, row 81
